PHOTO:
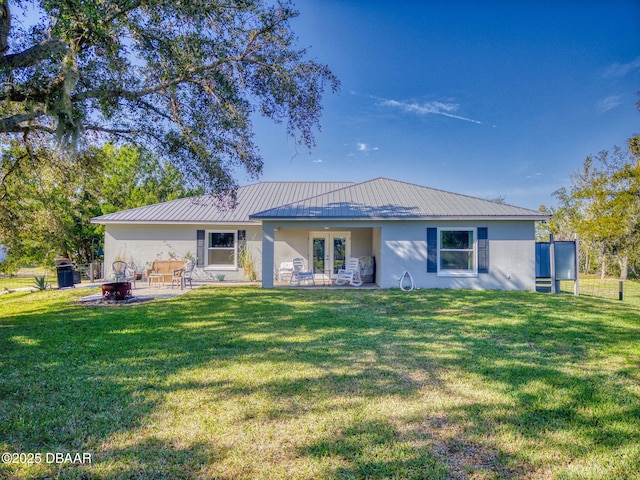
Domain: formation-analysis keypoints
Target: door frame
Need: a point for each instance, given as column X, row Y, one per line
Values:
column 329, row 253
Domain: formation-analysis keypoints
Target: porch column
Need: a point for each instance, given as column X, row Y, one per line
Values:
column 268, row 236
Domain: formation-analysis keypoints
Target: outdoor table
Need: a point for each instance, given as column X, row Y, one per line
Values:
column 158, row 278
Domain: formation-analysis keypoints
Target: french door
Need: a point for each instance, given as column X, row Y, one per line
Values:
column 329, row 252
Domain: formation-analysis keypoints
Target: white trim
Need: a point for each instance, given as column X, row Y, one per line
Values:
column 474, row 249
column 207, row 248
column 328, row 236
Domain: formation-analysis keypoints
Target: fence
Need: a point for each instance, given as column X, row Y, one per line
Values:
column 606, row 288
column 25, row 277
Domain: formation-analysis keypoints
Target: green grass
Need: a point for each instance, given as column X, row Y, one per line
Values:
column 245, row 383
column 25, row 277
column 594, row 286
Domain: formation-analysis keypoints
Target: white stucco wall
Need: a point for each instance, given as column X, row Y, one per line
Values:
column 511, row 256
column 398, row 246
column 142, row 244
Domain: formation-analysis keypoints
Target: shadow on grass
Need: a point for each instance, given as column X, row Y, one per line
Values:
column 75, row 377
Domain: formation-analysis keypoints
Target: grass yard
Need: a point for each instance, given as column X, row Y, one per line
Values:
column 245, row 383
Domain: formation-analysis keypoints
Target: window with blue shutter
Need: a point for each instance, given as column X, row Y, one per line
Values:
column 200, row 251
column 483, row 250
column 432, row 250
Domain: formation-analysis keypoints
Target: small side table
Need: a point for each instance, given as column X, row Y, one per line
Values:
column 158, row 277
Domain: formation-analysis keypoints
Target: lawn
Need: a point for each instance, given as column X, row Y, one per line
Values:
column 245, row 383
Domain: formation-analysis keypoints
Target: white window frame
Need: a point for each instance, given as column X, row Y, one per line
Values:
column 454, row 272
column 209, row 266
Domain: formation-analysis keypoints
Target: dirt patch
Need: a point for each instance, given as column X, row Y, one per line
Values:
column 102, row 302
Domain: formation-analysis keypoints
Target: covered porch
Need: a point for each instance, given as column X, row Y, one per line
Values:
column 324, row 247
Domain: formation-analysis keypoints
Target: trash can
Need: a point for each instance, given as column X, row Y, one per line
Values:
column 64, row 269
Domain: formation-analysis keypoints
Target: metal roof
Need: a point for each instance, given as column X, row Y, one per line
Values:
column 206, row 209
column 382, row 198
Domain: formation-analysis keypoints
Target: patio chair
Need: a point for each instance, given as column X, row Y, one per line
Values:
column 183, row 275
column 285, row 270
column 123, row 272
column 299, row 275
column 350, row 274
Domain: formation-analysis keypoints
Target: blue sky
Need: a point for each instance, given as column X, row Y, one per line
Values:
column 485, row 98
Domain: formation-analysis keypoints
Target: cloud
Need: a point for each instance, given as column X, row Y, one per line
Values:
column 619, row 70
column 609, row 103
column 364, row 148
column 430, row 108
column 318, row 160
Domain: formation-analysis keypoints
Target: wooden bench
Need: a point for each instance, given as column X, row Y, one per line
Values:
column 162, row 270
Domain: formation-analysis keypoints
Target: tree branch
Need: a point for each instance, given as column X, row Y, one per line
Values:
column 31, row 56
column 136, row 94
column 13, row 124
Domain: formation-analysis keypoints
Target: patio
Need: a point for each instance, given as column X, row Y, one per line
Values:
column 141, row 293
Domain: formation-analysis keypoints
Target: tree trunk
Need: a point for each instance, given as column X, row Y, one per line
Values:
column 603, row 271
column 624, row 268
column 5, row 26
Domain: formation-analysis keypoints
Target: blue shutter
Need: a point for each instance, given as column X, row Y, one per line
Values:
column 432, row 249
column 483, row 250
column 200, row 250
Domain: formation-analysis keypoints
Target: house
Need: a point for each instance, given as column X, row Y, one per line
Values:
column 445, row 240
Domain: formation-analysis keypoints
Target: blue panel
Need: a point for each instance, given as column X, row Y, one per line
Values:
column 432, row 249
column 543, row 260
column 483, row 250
column 565, row 258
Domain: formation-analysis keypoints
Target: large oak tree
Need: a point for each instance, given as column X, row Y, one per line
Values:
column 182, row 78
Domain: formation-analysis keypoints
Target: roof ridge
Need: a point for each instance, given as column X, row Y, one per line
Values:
column 307, row 198
column 297, row 181
column 453, row 193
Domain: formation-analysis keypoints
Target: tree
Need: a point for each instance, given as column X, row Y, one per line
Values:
column 181, row 78
column 47, row 208
column 603, row 207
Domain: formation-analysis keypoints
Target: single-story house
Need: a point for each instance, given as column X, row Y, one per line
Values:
column 443, row 239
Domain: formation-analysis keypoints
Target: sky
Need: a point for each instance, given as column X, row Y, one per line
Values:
column 493, row 99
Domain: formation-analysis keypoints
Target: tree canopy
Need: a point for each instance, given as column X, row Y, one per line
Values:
column 47, row 208
column 182, row 78
column 602, row 205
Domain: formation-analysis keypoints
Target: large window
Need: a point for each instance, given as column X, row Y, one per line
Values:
column 221, row 249
column 457, row 252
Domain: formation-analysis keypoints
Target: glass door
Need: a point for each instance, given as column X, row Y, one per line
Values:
column 318, row 252
column 329, row 252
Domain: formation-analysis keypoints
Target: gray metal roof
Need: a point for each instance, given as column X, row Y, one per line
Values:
column 385, row 199
column 380, row 198
column 206, row 209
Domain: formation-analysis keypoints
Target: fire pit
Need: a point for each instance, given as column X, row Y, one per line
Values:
column 116, row 291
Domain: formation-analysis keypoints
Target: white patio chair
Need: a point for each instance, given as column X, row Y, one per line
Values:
column 123, row 272
column 183, row 275
column 285, row 270
column 350, row 274
column 299, row 275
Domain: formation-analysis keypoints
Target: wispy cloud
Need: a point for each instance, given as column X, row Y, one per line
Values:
column 364, row 148
column 430, row 108
column 317, row 160
column 619, row 70
column 609, row 103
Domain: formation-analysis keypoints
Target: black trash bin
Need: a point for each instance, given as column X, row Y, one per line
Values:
column 64, row 268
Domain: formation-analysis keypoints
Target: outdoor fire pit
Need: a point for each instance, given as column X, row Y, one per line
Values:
column 116, row 291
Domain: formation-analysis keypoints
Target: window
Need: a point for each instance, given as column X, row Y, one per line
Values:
column 221, row 249
column 457, row 252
